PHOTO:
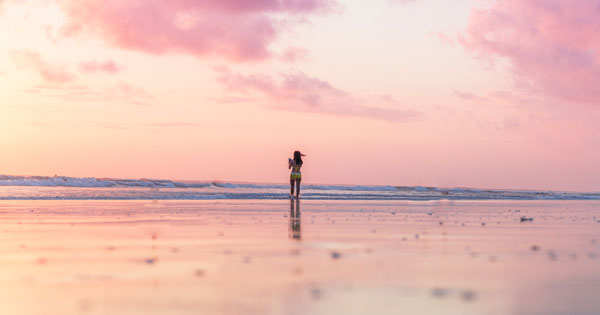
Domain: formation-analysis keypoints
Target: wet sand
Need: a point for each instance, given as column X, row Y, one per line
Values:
column 315, row 257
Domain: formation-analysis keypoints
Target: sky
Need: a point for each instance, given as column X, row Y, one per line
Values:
column 463, row 93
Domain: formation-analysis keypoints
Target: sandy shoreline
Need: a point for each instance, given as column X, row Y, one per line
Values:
column 258, row 257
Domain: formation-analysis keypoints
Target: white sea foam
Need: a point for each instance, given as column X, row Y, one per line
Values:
column 61, row 187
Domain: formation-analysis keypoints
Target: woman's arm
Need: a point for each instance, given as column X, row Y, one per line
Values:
column 290, row 161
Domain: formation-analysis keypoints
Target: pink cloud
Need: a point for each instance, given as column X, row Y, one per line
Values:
column 402, row 1
column 293, row 54
column 468, row 96
column 120, row 92
column 445, row 38
column 108, row 66
column 299, row 92
column 50, row 72
column 552, row 45
column 236, row 30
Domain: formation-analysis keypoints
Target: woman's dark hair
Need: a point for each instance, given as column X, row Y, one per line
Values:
column 297, row 158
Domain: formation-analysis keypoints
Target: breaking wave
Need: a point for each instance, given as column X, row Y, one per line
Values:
column 61, row 187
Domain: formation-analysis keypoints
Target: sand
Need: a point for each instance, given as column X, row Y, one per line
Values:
column 260, row 257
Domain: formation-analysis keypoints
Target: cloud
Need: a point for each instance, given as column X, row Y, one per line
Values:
column 120, row 92
column 298, row 92
column 293, row 54
column 445, row 38
column 51, row 72
column 108, row 66
column 552, row 45
column 176, row 124
column 402, row 1
column 236, row 30
column 468, row 96
column 150, row 125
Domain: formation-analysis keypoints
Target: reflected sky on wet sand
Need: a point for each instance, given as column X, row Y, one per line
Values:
column 299, row 257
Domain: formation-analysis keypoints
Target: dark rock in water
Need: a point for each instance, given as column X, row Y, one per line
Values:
column 526, row 219
column 335, row 255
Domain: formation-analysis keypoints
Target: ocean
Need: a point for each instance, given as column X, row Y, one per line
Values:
column 72, row 188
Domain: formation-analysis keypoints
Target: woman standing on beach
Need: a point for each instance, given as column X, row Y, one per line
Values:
column 295, row 176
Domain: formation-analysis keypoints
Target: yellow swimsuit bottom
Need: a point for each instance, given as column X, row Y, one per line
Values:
column 295, row 175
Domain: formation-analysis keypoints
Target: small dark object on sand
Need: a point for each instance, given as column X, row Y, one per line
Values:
column 199, row 273
column 150, row 261
column 526, row 219
column 439, row 292
column 535, row 248
column 468, row 295
column 335, row 255
column 315, row 294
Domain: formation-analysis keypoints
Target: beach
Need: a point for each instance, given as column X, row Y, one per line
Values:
column 299, row 257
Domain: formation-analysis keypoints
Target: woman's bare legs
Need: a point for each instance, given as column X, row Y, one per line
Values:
column 292, row 181
column 298, row 180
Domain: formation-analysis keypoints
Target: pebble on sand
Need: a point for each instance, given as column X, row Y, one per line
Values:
column 150, row 261
column 535, row 248
column 439, row 292
column 315, row 294
column 199, row 273
column 335, row 255
column 526, row 219
column 468, row 296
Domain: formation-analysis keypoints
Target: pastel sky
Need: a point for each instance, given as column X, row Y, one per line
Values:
column 490, row 94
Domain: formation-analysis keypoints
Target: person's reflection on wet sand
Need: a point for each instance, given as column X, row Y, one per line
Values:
column 294, row 231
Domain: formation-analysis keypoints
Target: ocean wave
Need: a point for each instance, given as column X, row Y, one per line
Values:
column 63, row 181
column 46, row 187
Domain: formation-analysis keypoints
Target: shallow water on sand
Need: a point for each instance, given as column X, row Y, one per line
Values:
column 306, row 257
